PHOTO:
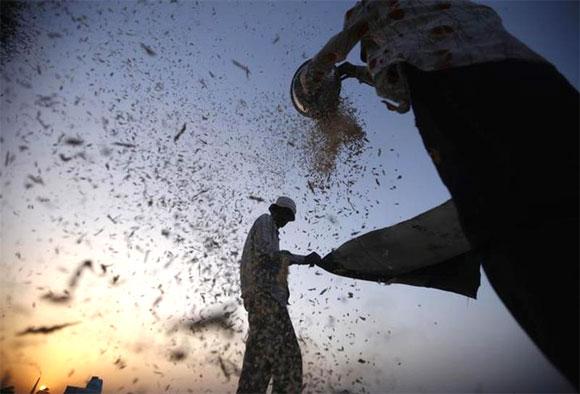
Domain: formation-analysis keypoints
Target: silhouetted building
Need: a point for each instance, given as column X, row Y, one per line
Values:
column 94, row 386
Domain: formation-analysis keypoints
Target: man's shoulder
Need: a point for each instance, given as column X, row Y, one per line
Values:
column 264, row 220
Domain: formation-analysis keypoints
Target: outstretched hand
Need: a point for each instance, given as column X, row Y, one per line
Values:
column 312, row 259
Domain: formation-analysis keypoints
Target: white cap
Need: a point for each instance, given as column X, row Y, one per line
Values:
column 285, row 202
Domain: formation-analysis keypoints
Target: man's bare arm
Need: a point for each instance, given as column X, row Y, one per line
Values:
column 335, row 51
column 310, row 259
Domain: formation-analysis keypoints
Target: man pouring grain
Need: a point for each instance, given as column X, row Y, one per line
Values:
column 272, row 349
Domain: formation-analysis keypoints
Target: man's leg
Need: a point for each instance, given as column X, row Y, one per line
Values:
column 287, row 370
column 257, row 366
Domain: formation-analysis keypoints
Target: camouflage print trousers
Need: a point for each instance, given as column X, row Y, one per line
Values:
column 272, row 350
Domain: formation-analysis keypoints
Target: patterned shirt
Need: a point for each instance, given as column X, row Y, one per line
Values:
column 428, row 34
column 263, row 268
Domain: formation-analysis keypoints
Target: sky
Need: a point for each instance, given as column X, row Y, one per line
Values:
column 131, row 140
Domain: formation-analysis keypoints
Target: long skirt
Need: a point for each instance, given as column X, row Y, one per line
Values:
column 504, row 139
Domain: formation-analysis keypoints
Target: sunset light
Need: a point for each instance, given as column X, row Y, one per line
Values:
column 141, row 140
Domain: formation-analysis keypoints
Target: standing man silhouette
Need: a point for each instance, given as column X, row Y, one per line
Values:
column 272, row 349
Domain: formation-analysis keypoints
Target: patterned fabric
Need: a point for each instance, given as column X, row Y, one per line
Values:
column 264, row 268
column 428, row 34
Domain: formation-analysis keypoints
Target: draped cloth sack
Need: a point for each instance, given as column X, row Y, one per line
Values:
column 429, row 250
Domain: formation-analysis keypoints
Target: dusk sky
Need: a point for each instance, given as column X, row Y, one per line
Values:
column 146, row 137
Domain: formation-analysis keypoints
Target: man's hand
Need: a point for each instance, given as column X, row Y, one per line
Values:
column 312, row 259
column 346, row 70
column 360, row 73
